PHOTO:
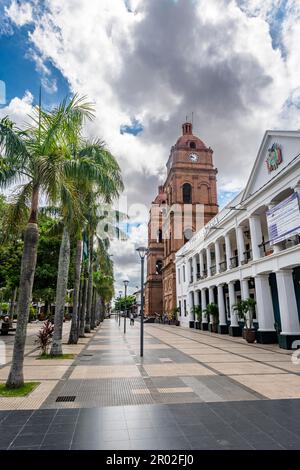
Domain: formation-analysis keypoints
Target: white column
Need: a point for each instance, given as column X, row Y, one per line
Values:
column 196, row 298
column 256, row 235
column 245, row 289
column 290, row 324
column 201, row 263
column 208, row 259
column 218, row 256
column 232, row 302
column 221, row 305
column 203, row 305
column 228, row 249
column 195, row 268
column 211, row 295
column 240, row 244
column 189, row 271
column 264, row 304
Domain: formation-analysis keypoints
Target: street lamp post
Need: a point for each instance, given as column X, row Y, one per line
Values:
column 125, row 282
column 120, row 297
column 142, row 251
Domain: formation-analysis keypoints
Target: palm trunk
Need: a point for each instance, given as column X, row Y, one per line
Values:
column 90, row 288
column 28, row 265
column 79, row 305
column 61, row 291
column 12, row 306
column 98, row 312
column 94, row 306
column 83, row 308
column 73, row 338
column 102, row 311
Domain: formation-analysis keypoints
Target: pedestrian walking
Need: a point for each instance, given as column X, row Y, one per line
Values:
column 131, row 319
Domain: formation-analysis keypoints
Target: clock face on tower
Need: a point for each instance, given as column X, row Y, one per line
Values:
column 194, row 158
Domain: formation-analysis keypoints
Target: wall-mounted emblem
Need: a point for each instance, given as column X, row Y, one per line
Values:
column 274, row 157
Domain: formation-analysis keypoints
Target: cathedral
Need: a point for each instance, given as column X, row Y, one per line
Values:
column 190, row 187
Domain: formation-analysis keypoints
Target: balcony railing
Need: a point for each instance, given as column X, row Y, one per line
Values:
column 213, row 270
column 234, row 262
column 223, row 266
column 290, row 242
column 265, row 249
column 247, row 256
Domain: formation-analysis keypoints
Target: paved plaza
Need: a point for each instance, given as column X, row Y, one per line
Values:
column 192, row 390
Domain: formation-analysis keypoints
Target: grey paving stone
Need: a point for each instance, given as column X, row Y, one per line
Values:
column 25, row 440
column 29, row 430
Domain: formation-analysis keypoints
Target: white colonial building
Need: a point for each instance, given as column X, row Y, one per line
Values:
column 251, row 249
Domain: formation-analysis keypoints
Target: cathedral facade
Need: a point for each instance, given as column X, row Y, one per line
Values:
column 186, row 202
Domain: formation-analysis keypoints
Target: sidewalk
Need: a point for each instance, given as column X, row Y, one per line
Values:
column 192, row 390
column 47, row 372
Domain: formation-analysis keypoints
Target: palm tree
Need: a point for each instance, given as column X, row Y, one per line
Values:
column 212, row 311
column 97, row 174
column 34, row 159
column 103, row 281
column 99, row 215
column 73, row 336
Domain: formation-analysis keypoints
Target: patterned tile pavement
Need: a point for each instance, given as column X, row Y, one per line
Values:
column 192, row 390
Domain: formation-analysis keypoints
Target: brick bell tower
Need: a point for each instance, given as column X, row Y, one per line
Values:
column 153, row 287
column 191, row 181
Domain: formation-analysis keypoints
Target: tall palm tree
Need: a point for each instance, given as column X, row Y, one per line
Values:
column 103, row 279
column 73, row 336
column 34, row 159
column 102, row 227
column 97, row 174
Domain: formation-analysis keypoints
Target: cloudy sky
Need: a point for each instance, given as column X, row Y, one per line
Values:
column 147, row 64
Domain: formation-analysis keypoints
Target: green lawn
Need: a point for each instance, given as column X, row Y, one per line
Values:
column 18, row 392
column 45, row 357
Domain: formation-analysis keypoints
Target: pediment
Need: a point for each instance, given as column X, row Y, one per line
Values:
column 278, row 149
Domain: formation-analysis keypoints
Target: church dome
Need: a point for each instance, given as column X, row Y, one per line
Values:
column 188, row 140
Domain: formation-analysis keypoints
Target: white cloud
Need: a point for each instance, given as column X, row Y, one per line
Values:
column 168, row 59
column 20, row 13
column 126, row 258
column 19, row 109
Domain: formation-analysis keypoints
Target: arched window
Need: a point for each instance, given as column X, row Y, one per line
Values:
column 192, row 145
column 159, row 236
column 159, row 266
column 187, row 193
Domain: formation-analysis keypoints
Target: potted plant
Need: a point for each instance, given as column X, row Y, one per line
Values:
column 212, row 310
column 174, row 316
column 244, row 309
column 198, row 314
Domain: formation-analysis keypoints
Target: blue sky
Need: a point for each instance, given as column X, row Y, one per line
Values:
column 19, row 72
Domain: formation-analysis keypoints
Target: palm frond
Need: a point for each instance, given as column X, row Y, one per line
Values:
column 17, row 213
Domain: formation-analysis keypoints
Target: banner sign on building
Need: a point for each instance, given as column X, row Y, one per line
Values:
column 284, row 220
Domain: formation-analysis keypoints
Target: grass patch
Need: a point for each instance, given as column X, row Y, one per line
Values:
column 18, row 392
column 47, row 357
